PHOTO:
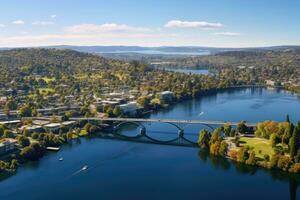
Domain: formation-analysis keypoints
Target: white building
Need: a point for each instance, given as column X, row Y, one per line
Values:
column 167, row 96
column 270, row 82
column 53, row 127
column 7, row 145
column 129, row 108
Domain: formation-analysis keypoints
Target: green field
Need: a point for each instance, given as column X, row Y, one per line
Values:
column 261, row 146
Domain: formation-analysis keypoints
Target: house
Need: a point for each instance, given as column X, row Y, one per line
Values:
column 10, row 123
column 68, row 124
column 31, row 128
column 270, row 82
column 129, row 108
column 3, row 116
column 53, row 127
column 112, row 103
column 7, row 145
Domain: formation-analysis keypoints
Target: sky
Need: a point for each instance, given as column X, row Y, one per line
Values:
column 213, row 23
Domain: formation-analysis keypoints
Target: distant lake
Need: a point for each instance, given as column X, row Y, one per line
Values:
column 188, row 71
column 128, row 170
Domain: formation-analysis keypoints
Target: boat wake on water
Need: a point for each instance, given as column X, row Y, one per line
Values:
column 117, row 155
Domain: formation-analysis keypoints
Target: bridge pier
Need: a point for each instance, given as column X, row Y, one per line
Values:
column 180, row 133
column 143, row 131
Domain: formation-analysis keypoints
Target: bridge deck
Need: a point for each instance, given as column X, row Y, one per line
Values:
column 177, row 121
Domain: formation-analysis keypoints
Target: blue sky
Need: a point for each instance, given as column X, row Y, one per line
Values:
column 218, row 23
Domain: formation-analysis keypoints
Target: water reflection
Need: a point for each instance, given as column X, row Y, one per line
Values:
column 221, row 163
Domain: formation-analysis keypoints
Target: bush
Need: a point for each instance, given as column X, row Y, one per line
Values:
column 284, row 163
column 295, row 168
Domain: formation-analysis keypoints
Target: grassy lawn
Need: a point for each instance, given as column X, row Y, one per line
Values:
column 259, row 144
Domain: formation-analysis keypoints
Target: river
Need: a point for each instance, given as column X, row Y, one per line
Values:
column 127, row 170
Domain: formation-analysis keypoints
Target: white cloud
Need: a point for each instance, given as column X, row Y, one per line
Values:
column 42, row 23
column 230, row 34
column 2, row 25
column 192, row 24
column 18, row 22
column 53, row 16
column 102, row 28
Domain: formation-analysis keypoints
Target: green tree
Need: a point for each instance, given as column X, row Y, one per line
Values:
column 227, row 130
column 23, row 141
column 216, row 136
column 223, row 148
column 117, row 111
column 25, row 111
column 8, row 134
column 287, row 118
column 35, row 136
column 294, row 142
column 242, row 128
column 243, row 154
column 275, row 139
column 1, row 130
column 203, row 140
column 144, row 101
column 251, row 160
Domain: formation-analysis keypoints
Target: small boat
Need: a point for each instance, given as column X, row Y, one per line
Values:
column 85, row 167
column 61, row 159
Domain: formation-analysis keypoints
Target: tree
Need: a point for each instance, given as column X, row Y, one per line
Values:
column 284, row 163
column 251, row 160
column 26, row 133
column 203, row 140
column 23, row 141
column 275, row 139
column 243, row 154
column 117, row 111
column 287, row 118
column 8, row 134
column 227, row 130
column 144, row 101
column 294, row 142
column 242, row 128
column 223, row 148
column 25, row 111
column 35, row 136
column 215, row 136
column 1, row 130
column 214, row 148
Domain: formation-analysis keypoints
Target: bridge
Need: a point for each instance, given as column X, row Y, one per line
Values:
column 142, row 136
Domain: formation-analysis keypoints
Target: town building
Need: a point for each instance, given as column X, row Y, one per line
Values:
column 53, row 127
column 167, row 96
column 7, row 145
column 129, row 108
column 31, row 128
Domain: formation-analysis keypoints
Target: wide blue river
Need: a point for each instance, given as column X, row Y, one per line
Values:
column 128, row 170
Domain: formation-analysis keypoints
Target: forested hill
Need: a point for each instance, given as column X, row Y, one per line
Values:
column 37, row 60
column 286, row 58
column 279, row 58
